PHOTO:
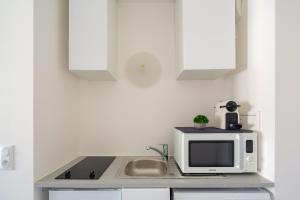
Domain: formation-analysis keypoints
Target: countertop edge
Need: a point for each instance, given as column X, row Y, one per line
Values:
column 109, row 180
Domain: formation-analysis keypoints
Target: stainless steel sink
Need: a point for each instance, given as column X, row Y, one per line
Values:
column 153, row 168
column 146, row 167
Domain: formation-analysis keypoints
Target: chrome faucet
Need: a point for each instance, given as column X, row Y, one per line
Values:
column 163, row 153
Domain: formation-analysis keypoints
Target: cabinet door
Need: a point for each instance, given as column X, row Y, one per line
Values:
column 88, row 34
column 85, row 195
column 206, row 37
column 91, row 38
column 146, row 194
column 221, row 194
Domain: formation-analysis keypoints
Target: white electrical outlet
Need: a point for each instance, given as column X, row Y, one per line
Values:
column 7, row 157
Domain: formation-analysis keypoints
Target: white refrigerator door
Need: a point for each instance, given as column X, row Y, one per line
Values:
column 221, row 194
column 85, row 195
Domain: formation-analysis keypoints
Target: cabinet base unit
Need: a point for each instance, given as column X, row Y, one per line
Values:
column 85, row 195
column 146, row 194
column 221, row 194
column 202, row 74
column 94, row 75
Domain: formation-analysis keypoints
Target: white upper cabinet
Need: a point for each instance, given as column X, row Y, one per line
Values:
column 205, row 38
column 92, row 39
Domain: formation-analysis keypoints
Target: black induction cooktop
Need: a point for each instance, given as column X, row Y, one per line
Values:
column 89, row 168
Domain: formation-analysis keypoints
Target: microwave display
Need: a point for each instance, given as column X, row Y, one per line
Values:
column 211, row 153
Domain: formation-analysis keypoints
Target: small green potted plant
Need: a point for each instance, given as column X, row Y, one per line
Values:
column 200, row 121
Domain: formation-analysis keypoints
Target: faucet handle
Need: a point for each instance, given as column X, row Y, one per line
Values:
column 165, row 148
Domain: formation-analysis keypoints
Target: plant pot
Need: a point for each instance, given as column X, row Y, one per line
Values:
column 198, row 126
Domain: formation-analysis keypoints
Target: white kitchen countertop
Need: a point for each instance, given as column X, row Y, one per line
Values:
column 112, row 178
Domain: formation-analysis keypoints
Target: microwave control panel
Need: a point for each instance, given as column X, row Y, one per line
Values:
column 251, row 156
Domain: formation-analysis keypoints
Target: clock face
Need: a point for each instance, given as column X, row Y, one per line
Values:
column 143, row 69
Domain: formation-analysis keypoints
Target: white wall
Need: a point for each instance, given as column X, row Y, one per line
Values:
column 287, row 99
column 16, row 96
column 254, row 84
column 56, row 90
column 122, row 117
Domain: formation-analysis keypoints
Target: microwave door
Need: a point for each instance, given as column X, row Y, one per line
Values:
column 211, row 153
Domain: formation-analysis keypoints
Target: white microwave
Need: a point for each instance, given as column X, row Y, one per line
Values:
column 213, row 150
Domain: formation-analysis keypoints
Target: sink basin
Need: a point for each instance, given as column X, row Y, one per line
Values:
column 153, row 168
column 146, row 167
